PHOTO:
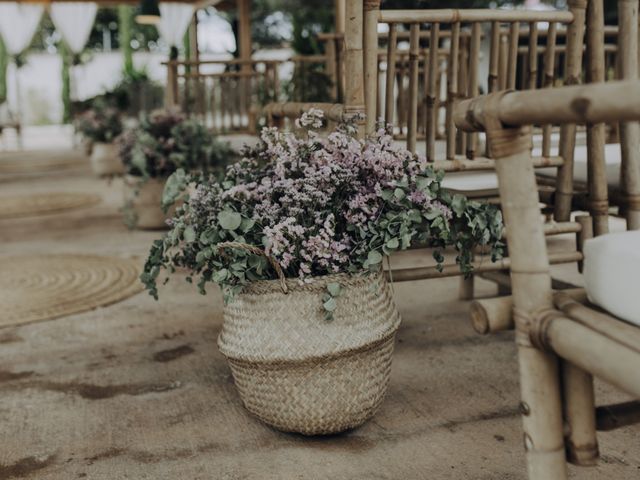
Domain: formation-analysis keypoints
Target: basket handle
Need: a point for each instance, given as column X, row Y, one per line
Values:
column 258, row 251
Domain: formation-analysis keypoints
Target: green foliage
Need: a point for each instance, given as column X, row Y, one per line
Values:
column 166, row 141
column 309, row 83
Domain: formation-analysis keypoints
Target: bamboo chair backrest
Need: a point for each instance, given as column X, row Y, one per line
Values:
column 462, row 64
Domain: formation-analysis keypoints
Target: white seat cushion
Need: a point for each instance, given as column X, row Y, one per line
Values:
column 612, row 160
column 612, row 273
column 471, row 182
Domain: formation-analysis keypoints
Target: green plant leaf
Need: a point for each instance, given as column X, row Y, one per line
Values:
column 330, row 305
column 374, row 257
column 229, row 220
column 189, row 234
column 334, row 289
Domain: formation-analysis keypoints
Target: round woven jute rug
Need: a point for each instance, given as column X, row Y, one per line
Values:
column 13, row 206
column 37, row 162
column 42, row 287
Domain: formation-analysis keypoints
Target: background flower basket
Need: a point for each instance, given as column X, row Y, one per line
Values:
column 101, row 125
column 163, row 142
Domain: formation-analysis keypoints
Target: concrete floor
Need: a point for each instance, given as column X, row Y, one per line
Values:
column 138, row 390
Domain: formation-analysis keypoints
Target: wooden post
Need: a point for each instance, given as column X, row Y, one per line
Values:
column 573, row 70
column 596, row 167
column 371, row 10
column 354, row 62
column 340, row 9
column 532, row 58
column 503, row 61
column 629, row 131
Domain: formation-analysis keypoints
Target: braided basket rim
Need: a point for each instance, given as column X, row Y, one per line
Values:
column 318, row 283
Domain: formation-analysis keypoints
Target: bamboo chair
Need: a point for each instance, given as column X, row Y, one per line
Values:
column 561, row 340
column 463, row 153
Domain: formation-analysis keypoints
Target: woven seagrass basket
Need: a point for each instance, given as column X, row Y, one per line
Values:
column 299, row 372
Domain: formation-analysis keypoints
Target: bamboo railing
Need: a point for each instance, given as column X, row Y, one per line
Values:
column 552, row 326
column 227, row 101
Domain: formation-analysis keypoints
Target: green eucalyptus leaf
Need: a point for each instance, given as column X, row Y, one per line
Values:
column 334, row 289
column 374, row 257
column 229, row 220
column 189, row 234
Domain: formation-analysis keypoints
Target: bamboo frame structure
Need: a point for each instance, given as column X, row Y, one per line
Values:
column 629, row 131
column 549, row 326
column 462, row 73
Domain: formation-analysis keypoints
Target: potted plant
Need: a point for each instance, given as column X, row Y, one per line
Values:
column 101, row 125
column 163, row 142
column 295, row 235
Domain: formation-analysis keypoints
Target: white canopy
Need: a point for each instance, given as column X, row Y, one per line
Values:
column 74, row 21
column 18, row 23
column 174, row 21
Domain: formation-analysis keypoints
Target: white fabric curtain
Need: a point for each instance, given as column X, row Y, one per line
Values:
column 18, row 23
column 174, row 21
column 74, row 21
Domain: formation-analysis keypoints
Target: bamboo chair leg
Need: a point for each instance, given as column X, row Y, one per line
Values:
column 580, row 415
column 585, row 233
column 465, row 288
column 539, row 377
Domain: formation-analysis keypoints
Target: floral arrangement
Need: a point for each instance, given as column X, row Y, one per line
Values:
column 167, row 140
column 317, row 206
column 99, row 124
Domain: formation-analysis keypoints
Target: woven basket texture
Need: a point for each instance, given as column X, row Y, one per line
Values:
column 145, row 197
column 299, row 372
column 105, row 159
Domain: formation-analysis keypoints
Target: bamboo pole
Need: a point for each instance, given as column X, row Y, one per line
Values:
column 513, row 55
column 585, row 233
column 595, row 353
column 600, row 322
column 602, row 102
column 371, row 10
column 494, row 58
column 452, row 89
column 431, row 121
column 462, row 164
column 597, row 175
column 412, row 112
column 547, row 81
column 573, row 69
column 479, row 266
column 330, row 68
column 629, row 131
column 532, row 56
column 473, row 89
column 354, row 62
column 503, row 62
column 462, row 89
column 391, row 75
column 332, row 111
column 472, row 15
column 491, row 315
column 579, row 411
column 540, row 389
